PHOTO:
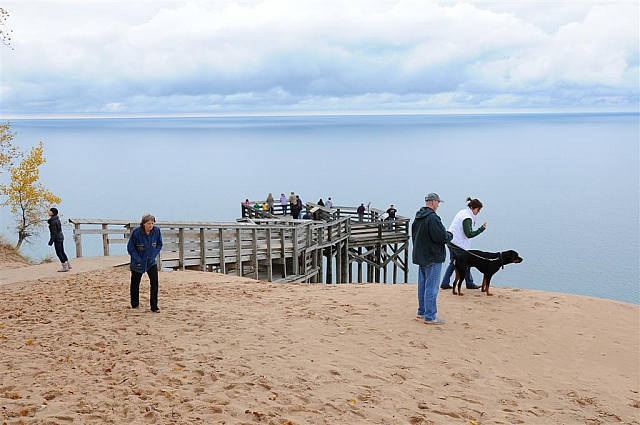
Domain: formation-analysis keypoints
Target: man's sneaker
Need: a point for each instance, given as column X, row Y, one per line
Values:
column 447, row 286
column 436, row 321
column 473, row 286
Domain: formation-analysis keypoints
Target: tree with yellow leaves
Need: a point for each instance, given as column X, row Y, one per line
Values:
column 5, row 33
column 28, row 198
column 8, row 152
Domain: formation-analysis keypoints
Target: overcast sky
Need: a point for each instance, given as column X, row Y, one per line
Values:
column 303, row 56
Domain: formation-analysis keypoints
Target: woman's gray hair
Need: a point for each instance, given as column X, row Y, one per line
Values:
column 147, row 218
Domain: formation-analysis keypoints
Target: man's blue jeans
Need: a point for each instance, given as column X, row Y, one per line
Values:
column 450, row 268
column 391, row 219
column 428, row 278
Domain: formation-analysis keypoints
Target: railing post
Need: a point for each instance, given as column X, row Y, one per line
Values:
column 203, row 251
column 406, row 254
column 181, row 248
column 77, row 237
column 346, row 265
column 105, row 241
column 254, row 263
column 223, row 266
column 330, row 255
column 339, row 262
column 395, row 264
column 269, row 257
column 296, row 253
column 314, row 261
column 238, row 252
column 359, row 265
column 378, row 261
column 283, row 257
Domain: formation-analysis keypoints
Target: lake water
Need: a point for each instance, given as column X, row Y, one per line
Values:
column 561, row 189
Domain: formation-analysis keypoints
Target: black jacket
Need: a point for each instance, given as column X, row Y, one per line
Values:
column 55, row 230
column 429, row 238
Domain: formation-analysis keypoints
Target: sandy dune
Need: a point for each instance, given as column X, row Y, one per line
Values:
column 9, row 259
column 235, row 351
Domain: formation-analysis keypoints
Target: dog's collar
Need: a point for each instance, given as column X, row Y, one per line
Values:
column 501, row 261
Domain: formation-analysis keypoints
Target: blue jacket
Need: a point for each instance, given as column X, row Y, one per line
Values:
column 429, row 238
column 144, row 249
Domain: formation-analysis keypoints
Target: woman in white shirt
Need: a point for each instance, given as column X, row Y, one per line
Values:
column 462, row 229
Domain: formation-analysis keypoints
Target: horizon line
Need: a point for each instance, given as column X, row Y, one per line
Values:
column 530, row 111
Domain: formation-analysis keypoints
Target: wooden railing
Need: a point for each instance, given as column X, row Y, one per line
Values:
column 275, row 248
column 112, row 232
column 241, row 248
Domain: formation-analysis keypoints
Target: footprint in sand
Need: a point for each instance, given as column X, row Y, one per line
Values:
column 541, row 394
column 511, row 382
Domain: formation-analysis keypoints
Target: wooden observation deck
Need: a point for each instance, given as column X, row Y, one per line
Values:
column 333, row 247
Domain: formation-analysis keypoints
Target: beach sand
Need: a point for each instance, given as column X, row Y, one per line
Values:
column 227, row 350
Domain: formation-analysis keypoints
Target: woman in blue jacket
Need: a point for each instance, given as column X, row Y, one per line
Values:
column 144, row 246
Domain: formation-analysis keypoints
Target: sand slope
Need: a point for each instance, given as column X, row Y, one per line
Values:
column 9, row 259
column 236, row 351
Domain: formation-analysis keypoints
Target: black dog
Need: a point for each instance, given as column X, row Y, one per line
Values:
column 487, row 262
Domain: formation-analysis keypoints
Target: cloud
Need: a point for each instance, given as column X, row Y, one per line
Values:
column 286, row 55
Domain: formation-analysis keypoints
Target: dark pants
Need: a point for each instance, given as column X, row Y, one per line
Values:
column 59, row 246
column 135, row 287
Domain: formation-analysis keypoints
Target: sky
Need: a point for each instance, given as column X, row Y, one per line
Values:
column 89, row 58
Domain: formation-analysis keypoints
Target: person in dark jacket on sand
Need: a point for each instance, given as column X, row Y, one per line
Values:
column 429, row 238
column 57, row 239
column 144, row 246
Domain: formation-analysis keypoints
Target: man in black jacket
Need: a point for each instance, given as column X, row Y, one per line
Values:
column 429, row 238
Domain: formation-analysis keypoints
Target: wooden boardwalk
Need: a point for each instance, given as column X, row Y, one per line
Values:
column 334, row 247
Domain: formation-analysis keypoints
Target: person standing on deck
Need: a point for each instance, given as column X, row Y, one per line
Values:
column 429, row 238
column 283, row 203
column 392, row 215
column 328, row 204
column 300, row 207
column 321, row 203
column 360, row 212
column 270, row 202
column 292, row 204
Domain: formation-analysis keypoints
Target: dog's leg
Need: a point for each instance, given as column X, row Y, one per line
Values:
column 461, row 276
column 488, row 279
column 455, row 280
column 484, row 283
